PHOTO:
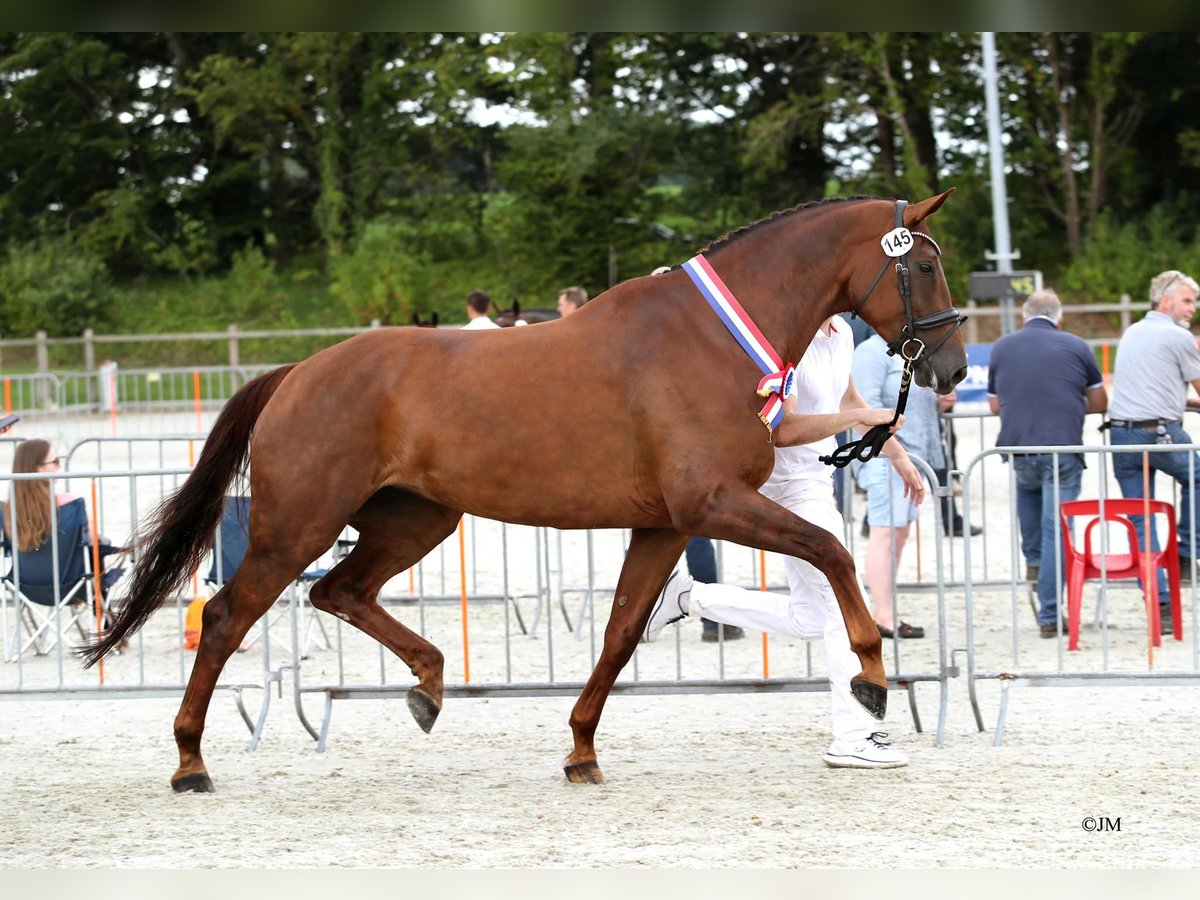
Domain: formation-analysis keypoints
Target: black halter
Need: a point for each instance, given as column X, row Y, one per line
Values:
column 910, row 347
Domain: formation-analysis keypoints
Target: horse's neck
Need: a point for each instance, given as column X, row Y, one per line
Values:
column 787, row 301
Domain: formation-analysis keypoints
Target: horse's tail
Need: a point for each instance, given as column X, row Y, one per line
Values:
column 179, row 532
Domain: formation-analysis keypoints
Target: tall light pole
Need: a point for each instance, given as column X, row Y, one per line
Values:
column 1004, row 254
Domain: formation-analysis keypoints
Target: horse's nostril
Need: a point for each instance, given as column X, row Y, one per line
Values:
column 958, row 376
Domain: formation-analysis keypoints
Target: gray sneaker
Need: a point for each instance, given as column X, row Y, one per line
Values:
column 667, row 608
column 871, row 752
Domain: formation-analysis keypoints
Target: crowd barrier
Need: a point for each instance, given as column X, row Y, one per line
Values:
column 517, row 611
column 1117, row 644
column 486, row 657
column 520, row 611
column 69, row 406
column 156, row 663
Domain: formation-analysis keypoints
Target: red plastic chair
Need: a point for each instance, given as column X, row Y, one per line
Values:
column 1089, row 565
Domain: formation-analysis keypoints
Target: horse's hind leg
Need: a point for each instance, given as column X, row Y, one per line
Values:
column 396, row 530
column 652, row 553
column 258, row 582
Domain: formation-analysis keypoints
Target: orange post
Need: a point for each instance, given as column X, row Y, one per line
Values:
column 97, row 599
column 762, row 584
column 462, row 569
column 411, row 582
column 196, row 395
column 1149, row 581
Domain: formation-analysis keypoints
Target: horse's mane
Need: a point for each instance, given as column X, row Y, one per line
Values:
column 776, row 216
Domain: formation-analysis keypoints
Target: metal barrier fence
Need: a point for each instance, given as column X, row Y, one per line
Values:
column 72, row 405
column 521, row 611
column 1003, row 639
column 156, row 663
column 486, row 657
column 494, row 598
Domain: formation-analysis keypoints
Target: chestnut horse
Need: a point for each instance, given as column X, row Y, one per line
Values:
column 640, row 411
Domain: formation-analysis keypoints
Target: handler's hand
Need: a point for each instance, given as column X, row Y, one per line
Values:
column 869, row 418
column 914, row 484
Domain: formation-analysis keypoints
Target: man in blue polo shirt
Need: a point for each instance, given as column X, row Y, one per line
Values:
column 1041, row 381
column 1156, row 361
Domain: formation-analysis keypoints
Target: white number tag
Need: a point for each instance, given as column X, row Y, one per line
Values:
column 897, row 242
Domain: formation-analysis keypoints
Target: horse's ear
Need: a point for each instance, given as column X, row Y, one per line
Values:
column 915, row 213
column 416, row 319
column 516, row 310
column 433, row 318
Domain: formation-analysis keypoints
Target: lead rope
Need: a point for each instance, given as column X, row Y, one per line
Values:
column 870, row 445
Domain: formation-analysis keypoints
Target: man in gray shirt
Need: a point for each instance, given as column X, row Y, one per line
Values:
column 1156, row 360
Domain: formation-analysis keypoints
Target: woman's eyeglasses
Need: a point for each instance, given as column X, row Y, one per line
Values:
column 52, row 462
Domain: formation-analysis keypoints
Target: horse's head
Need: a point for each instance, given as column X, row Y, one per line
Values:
column 431, row 322
column 909, row 302
column 506, row 318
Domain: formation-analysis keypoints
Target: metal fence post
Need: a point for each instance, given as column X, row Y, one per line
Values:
column 233, row 345
column 43, row 367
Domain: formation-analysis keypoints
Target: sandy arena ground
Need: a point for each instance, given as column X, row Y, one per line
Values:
column 716, row 781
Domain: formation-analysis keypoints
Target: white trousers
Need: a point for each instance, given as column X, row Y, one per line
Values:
column 810, row 612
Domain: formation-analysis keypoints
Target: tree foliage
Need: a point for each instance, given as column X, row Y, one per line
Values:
column 400, row 170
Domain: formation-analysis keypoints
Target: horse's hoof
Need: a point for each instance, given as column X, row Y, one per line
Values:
column 423, row 708
column 872, row 697
column 584, row 773
column 196, row 781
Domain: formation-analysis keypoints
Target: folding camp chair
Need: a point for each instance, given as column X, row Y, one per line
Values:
column 229, row 549
column 54, row 579
column 314, row 628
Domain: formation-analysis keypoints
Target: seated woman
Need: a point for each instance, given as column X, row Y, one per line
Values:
column 27, row 519
column 31, row 499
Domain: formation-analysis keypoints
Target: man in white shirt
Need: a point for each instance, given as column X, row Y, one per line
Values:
column 826, row 402
column 479, row 305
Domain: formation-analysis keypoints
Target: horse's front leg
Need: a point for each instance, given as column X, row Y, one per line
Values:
column 651, row 556
column 744, row 516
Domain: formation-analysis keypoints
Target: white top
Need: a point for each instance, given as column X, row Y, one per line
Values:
column 481, row 322
column 822, row 377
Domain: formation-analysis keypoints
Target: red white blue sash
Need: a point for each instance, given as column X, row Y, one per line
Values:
column 779, row 380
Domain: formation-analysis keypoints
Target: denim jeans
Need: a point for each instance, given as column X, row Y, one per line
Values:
column 1182, row 465
column 702, row 564
column 1037, row 513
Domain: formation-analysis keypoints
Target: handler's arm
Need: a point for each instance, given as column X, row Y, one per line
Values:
column 796, row 428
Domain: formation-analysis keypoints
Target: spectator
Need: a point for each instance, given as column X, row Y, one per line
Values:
column 32, row 498
column 571, row 300
column 1041, row 382
column 952, row 520
column 479, row 305
column 826, row 402
column 1156, row 361
column 890, row 509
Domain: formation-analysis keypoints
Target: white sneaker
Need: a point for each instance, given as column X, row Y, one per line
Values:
column 871, row 752
column 667, row 608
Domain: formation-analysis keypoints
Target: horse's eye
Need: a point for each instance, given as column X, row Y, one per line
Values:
column 926, row 268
